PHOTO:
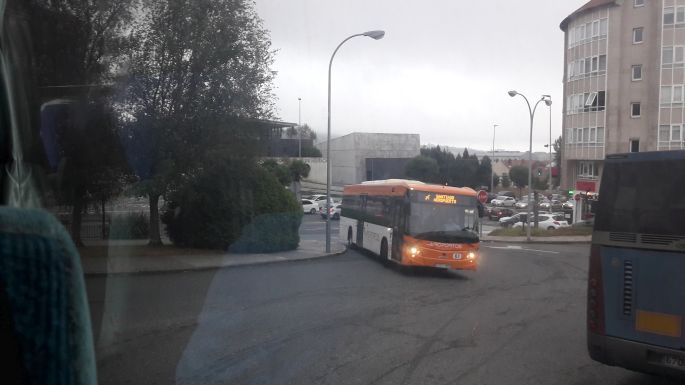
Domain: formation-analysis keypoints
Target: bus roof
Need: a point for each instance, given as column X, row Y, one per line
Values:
column 400, row 186
column 647, row 156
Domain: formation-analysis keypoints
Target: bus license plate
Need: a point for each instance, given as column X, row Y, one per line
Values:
column 666, row 360
column 457, row 256
column 442, row 266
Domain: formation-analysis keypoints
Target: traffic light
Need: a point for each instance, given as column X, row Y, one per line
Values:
column 571, row 192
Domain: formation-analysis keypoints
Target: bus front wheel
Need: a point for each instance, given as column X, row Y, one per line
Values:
column 384, row 248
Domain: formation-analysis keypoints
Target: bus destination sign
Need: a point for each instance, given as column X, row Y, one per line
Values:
column 441, row 198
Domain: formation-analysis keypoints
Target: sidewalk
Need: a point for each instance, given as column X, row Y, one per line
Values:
column 104, row 265
column 560, row 239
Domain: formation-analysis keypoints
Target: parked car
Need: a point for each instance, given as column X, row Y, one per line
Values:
column 507, row 194
column 335, row 211
column 491, row 196
column 503, row 200
column 567, row 205
column 510, row 221
column 309, row 206
column 496, row 213
column 522, row 204
column 548, row 222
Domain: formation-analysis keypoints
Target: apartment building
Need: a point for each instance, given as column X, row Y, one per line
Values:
column 624, row 78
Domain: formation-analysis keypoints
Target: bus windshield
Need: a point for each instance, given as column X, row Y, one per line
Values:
column 642, row 197
column 442, row 217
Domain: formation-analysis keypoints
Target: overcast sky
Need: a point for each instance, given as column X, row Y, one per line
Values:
column 443, row 69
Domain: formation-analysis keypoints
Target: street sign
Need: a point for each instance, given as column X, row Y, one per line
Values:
column 482, row 196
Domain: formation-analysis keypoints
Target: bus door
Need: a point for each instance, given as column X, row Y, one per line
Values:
column 397, row 228
column 360, row 221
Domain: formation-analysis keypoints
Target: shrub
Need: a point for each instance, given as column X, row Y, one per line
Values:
column 234, row 202
column 129, row 226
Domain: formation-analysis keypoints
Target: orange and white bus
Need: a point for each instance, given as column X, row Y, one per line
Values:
column 413, row 223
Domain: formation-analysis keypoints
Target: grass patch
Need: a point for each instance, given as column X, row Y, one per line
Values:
column 142, row 251
column 566, row 231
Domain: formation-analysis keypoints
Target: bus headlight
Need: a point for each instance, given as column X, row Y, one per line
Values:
column 471, row 256
column 413, row 251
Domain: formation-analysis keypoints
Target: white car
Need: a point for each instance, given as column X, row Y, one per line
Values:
column 548, row 222
column 309, row 206
column 336, row 209
column 504, row 201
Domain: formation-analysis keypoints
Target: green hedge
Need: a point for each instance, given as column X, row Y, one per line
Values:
column 129, row 226
column 234, row 202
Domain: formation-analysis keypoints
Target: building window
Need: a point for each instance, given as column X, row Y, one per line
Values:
column 669, row 16
column 673, row 55
column 636, row 72
column 602, row 63
column 635, row 145
column 637, row 35
column 587, row 170
column 600, row 134
column 639, row 3
column 672, row 94
column 635, row 110
column 603, row 27
column 676, row 133
column 664, row 132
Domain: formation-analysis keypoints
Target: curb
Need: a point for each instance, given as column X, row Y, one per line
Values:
column 207, row 268
column 537, row 241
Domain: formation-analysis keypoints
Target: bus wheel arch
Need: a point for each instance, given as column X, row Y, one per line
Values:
column 384, row 248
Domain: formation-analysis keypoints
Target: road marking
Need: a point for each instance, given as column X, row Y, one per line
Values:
column 520, row 248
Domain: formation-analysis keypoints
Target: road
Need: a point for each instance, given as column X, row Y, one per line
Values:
column 354, row 320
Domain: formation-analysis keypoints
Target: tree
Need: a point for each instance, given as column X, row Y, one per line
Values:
column 422, row 168
column 557, row 160
column 506, row 182
column 304, row 130
column 280, row 171
column 539, row 183
column 311, row 152
column 485, row 171
column 92, row 166
column 195, row 66
column 495, row 181
column 519, row 175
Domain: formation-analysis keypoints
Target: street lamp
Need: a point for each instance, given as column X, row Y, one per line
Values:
column 549, row 98
column 548, row 101
column 376, row 35
column 492, row 161
column 299, row 126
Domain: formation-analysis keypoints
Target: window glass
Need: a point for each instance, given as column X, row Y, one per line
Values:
column 680, row 15
column 603, row 27
column 669, row 15
column 677, row 94
column 679, row 54
column 603, row 62
column 667, row 55
column 637, row 35
column 637, row 72
column 664, row 132
column 675, row 133
column 639, row 3
column 635, row 110
column 600, row 134
column 666, row 95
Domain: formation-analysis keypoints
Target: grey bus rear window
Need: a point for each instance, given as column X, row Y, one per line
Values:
column 645, row 197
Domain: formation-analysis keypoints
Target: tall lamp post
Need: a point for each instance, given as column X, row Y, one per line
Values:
column 549, row 98
column 299, row 126
column 548, row 101
column 376, row 35
column 492, row 161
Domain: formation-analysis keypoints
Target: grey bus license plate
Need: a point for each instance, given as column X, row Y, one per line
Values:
column 667, row 360
column 442, row 266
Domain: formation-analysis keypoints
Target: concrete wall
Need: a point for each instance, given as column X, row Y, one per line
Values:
column 349, row 153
